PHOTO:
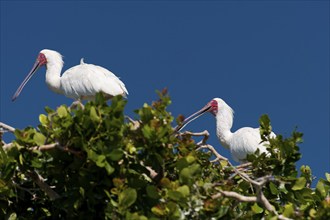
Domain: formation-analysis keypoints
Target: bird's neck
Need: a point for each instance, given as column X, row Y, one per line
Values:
column 224, row 122
column 53, row 76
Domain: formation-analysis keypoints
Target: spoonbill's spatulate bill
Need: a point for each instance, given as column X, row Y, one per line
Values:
column 79, row 82
column 244, row 141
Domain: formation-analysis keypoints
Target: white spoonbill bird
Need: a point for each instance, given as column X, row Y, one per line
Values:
column 79, row 82
column 240, row 143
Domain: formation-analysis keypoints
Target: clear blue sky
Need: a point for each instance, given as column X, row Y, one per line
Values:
column 260, row 57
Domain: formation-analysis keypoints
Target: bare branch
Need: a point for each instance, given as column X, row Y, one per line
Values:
column 257, row 184
column 6, row 127
column 58, row 146
column 211, row 148
column 43, row 186
column 45, row 147
column 136, row 124
column 243, row 165
column 204, row 133
column 235, row 195
column 75, row 105
column 281, row 217
column 263, row 200
column 153, row 174
column 24, row 189
column 7, row 146
column 49, row 147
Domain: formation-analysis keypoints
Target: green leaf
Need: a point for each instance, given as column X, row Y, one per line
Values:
column 13, row 216
column 322, row 188
column 47, row 212
column 43, row 119
column 108, row 168
column 93, row 115
column 165, row 182
column 39, row 139
column 62, row 112
column 223, row 163
column 21, row 159
column 299, row 184
column 159, row 211
column 223, row 210
column 189, row 173
column 173, row 210
column 327, row 175
column 184, row 190
column 152, row 192
column 116, row 154
column 135, row 216
column 312, row 213
column 288, row 210
column 256, row 209
column 265, row 127
column 82, row 191
column 175, row 195
column 100, row 161
column 273, row 188
column 190, row 159
column 147, row 131
column 36, row 163
column 127, row 198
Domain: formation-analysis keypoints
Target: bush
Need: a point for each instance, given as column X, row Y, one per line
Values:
column 92, row 164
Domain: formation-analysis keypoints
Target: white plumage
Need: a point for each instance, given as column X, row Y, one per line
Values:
column 79, row 82
column 244, row 141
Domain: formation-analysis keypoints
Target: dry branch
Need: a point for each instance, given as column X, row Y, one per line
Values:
column 45, row 147
column 257, row 184
column 235, row 195
column 204, row 133
column 136, row 123
column 211, row 148
column 43, row 186
column 6, row 127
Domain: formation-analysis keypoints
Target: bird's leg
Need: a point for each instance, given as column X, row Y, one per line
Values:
column 77, row 103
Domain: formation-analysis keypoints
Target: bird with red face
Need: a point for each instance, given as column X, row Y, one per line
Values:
column 79, row 82
column 242, row 142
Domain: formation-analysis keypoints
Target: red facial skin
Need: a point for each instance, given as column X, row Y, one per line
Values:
column 41, row 59
column 211, row 107
column 214, row 107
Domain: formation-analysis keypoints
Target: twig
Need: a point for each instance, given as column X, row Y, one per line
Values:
column 152, row 173
column 136, row 124
column 244, row 165
column 43, row 186
column 25, row 189
column 75, row 104
column 7, row 146
column 204, row 133
column 44, row 147
column 4, row 126
column 211, row 148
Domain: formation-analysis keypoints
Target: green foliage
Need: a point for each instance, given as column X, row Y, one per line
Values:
column 97, row 166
